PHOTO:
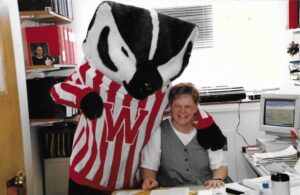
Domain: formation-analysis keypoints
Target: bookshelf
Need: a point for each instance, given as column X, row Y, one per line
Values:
column 44, row 16
column 42, row 183
column 48, row 71
column 294, row 30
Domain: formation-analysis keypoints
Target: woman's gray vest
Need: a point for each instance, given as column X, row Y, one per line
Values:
column 181, row 165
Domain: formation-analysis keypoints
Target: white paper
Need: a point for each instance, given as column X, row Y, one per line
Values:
column 171, row 191
column 205, row 192
column 128, row 192
column 216, row 191
column 295, row 190
column 297, row 166
column 282, row 153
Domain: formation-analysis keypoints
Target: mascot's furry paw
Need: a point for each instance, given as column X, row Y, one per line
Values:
column 211, row 137
column 92, row 105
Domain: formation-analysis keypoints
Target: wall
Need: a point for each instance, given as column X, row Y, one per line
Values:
column 235, row 119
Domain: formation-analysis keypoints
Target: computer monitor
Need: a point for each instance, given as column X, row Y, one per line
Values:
column 279, row 114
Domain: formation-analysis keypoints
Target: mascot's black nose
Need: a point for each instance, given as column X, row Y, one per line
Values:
column 144, row 83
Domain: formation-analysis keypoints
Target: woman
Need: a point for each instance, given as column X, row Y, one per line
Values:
column 39, row 58
column 175, row 155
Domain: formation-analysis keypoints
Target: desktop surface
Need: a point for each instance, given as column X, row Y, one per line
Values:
column 192, row 190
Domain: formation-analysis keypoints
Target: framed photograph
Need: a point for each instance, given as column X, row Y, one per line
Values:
column 39, row 53
column 3, row 89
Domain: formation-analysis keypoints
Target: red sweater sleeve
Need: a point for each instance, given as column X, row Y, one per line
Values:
column 70, row 92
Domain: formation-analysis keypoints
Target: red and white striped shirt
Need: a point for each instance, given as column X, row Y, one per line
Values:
column 107, row 151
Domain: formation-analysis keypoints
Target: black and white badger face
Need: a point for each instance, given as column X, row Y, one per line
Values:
column 139, row 48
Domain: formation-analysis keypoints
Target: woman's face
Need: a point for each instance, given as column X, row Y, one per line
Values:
column 39, row 51
column 182, row 110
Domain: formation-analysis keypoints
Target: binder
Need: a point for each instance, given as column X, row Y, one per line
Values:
column 64, row 52
column 57, row 139
column 72, row 43
column 293, row 14
column 67, row 45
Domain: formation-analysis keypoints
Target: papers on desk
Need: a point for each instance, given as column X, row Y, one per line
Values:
column 286, row 153
column 171, row 191
column 219, row 191
column 297, row 166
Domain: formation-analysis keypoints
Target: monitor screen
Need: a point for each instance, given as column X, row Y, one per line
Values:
column 279, row 112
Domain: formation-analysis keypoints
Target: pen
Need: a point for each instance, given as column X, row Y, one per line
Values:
column 233, row 191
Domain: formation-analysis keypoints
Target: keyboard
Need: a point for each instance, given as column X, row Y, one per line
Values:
column 278, row 167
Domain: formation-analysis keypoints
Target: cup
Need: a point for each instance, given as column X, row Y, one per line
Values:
column 280, row 184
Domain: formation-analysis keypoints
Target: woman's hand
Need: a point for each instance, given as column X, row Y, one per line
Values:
column 214, row 183
column 149, row 184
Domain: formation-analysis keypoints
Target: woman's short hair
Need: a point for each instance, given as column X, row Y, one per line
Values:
column 184, row 89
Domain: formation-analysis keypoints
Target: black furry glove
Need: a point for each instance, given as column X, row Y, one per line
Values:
column 211, row 137
column 92, row 105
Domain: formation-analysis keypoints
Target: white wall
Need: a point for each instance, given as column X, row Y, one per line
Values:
column 234, row 119
column 250, row 41
column 249, row 45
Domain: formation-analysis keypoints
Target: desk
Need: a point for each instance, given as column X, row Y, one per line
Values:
column 194, row 189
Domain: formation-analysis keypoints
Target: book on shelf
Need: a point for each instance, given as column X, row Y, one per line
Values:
column 54, row 41
column 67, row 47
column 70, row 9
column 293, row 14
column 34, row 5
column 71, row 45
column 61, row 7
column 56, row 139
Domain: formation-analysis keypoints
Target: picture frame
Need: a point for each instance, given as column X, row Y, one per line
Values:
column 3, row 87
column 46, row 52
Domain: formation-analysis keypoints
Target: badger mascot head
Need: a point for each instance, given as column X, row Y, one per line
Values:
column 138, row 48
column 131, row 56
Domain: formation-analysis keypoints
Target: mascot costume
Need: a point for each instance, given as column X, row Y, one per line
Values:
column 121, row 88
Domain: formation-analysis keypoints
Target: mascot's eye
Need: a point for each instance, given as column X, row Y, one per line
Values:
column 124, row 51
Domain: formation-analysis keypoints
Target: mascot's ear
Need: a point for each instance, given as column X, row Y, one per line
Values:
column 211, row 137
column 92, row 105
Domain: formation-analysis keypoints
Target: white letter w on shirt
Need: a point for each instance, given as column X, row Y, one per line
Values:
column 123, row 122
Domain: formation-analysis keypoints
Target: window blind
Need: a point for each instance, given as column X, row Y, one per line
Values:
column 202, row 16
